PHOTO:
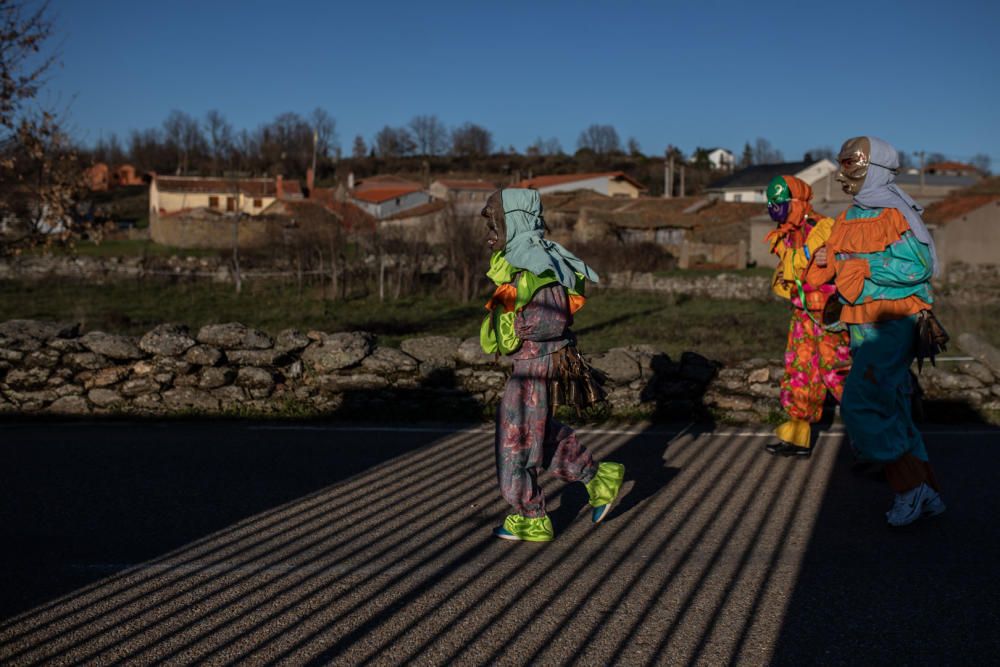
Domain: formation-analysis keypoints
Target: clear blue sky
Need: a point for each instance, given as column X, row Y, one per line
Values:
column 690, row 73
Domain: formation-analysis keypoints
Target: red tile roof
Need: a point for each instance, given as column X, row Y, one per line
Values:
column 255, row 187
column 384, row 181
column 954, row 207
column 423, row 209
column 950, row 166
column 379, row 195
column 291, row 188
column 547, row 181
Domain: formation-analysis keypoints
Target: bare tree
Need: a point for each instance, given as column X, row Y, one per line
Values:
column 391, row 142
column 183, row 134
column 326, row 132
column 430, row 135
column 633, row 147
column 765, row 153
column 471, row 140
column 39, row 168
column 821, row 153
column 359, row 150
column 220, row 137
column 601, row 139
column 982, row 162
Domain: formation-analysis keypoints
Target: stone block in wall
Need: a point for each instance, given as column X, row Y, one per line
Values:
column 203, row 355
column 189, row 398
column 233, row 336
column 437, row 351
column 44, row 358
column 254, row 357
column 759, row 375
column 729, row 403
column 977, row 370
column 68, row 390
column 353, row 382
column 231, row 396
column 167, row 340
column 187, row 380
column 252, row 378
column 107, row 377
column 85, row 361
column 767, row 390
column 294, row 370
column 617, row 365
column 337, row 351
column 27, row 378
column 138, row 386
column 481, row 380
column 951, row 381
column 290, row 340
column 215, row 376
column 978, row 348
column 105, row 398
column 111, row 346
column 65, row 345
column 652, row 362
column 148, row 402
column 69, row 405
column 470, row 353
column 389, row 360
column 777, row 372
column 172, row 365
column 29, row 335
column 11, row 355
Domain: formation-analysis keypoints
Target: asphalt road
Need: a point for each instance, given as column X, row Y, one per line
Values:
column 224, row 542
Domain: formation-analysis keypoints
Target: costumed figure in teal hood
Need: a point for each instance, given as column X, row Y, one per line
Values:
column 881, row 257
column 539, row 285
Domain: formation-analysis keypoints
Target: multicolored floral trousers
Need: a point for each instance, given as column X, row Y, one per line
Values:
column 528, row 439
column 816, row 361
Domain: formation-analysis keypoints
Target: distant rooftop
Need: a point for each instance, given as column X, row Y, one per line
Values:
column 759, row 175
column 560, row 179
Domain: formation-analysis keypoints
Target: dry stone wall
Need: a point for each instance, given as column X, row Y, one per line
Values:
column 49, row 368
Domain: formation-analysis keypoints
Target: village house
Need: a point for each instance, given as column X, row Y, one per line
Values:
column 966, row 226
column 721, row 159
column 953, row 169
column 612, row 184
column 385, row 196
column 99, row 177
column 467, row 196
column 696, row 230
column 749, row 185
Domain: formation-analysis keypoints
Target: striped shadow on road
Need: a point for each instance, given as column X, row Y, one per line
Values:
column 396, row 565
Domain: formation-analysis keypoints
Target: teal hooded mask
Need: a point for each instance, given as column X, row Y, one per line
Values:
column 527, row 247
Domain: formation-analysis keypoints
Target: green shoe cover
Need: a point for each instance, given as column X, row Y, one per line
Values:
column 528, row 529
column 608, row 479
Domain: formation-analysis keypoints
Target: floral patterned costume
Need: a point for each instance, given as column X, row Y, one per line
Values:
column 816, row 359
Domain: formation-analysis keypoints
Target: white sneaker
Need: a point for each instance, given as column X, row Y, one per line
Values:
column 915, row 503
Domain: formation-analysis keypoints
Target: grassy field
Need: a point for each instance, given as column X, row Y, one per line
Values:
column 722, row 330
column 124, row 248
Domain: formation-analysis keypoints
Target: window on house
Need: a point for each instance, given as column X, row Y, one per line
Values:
column 230, row 203
column 257, row 203
column 397, row 201
column 213, row 202
column 737, row 197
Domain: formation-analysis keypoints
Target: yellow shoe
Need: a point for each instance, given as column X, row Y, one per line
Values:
column 795, row 432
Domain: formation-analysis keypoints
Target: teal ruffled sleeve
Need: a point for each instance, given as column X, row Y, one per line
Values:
column 903, row 269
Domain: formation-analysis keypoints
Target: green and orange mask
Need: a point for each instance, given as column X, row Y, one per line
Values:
column 788, row 200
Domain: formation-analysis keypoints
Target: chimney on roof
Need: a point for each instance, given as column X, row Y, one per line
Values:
column 309, row 181
column 278, row 183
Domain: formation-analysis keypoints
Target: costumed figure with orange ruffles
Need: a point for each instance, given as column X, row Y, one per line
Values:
column 816, row 358
column 540, row 285
column 881, row 257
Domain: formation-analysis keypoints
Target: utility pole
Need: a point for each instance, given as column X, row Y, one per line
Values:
column 315, row 141
column 668, row 173
column 682, row 179
column 921, row 154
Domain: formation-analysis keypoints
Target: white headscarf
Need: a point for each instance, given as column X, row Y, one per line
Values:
column 880, row 191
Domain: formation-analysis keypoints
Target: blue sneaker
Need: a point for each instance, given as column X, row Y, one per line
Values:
column 603, row 489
